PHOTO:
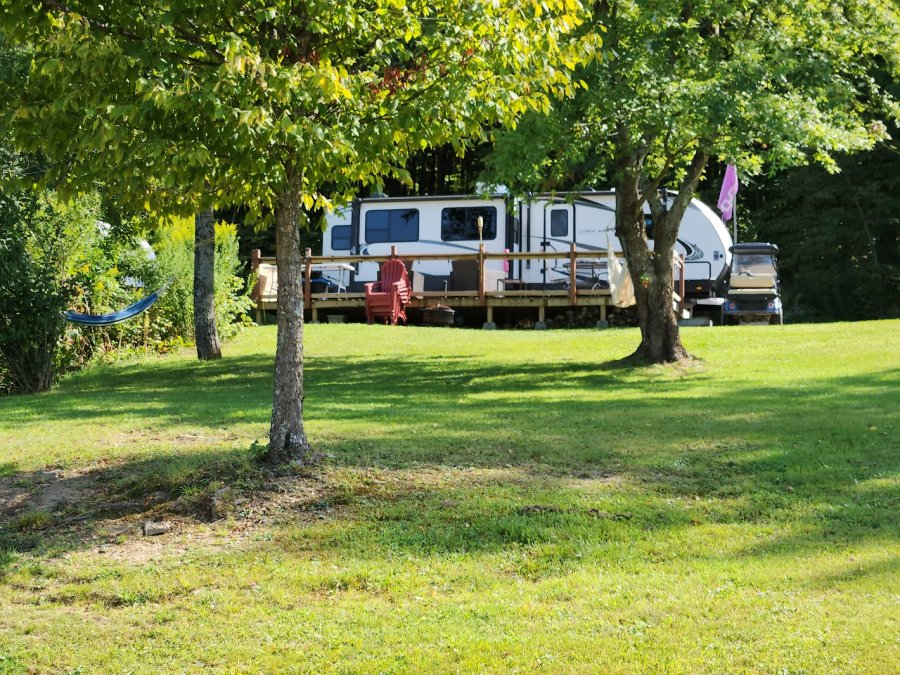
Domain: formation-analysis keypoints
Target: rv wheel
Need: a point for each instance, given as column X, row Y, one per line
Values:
column 777, row 319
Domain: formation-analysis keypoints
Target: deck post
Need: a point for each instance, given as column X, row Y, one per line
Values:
column 255, row 259
column 573, row 287
column 307, row 281
column 481, row 272
column 393, row 252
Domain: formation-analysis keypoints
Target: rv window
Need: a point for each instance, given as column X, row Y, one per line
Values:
column 559, row 223
column 390, row 225
column 340, row 238
column 461, row 223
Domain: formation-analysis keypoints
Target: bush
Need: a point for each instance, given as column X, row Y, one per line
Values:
column 54, row 257
column 174, row 317
column 42, row 242
column 233, row 302
column 169, row 324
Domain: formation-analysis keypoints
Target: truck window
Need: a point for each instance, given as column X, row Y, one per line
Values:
column 559, row 223
column 340, row 238
column 390, row 225
column 461, row 223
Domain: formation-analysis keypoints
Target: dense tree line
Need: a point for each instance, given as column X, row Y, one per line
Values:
column 838, row 234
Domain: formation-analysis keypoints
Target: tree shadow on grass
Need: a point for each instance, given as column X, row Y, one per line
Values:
column 758, row 455
column 53, row 511
column 168, row 393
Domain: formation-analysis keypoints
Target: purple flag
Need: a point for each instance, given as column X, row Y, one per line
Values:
column 728, row 195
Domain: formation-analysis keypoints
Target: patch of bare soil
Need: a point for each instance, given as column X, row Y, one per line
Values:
column 227, row 517
column 73, row 511
column 46, row 491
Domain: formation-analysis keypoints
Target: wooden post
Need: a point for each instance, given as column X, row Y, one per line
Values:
column 481, row 273
column 573, row 277
column 146, row 332
column 307, row 281
column 255, row 259
column 393, row 252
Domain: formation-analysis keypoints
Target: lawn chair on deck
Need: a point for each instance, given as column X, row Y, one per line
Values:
column 387, row 299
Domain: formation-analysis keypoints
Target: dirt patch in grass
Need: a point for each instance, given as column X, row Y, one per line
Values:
column 46, row 491
column 243, row 514
column 67, row 511
column 216, row 507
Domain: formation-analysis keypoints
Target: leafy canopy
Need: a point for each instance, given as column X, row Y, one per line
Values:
column 766, row 83
column 187, row 102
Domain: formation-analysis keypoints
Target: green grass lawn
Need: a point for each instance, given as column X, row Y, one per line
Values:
column 490, row 501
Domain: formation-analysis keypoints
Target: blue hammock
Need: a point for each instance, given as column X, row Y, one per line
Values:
column 129, row 312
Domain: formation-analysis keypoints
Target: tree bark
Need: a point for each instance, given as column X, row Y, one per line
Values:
column 287, row 439
column 652, row 271
column 205, row 334
column 660, row 337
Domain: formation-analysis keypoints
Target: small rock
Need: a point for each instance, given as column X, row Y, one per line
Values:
column 116, row 531
column 449, row 503
column 151, row 529
column 158, row 497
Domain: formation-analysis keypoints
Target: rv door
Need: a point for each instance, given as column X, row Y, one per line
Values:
column 559, row 233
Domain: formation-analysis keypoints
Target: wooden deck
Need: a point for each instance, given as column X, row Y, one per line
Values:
column 511, row 296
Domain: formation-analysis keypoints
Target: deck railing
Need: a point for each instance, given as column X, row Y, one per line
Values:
column 481, row 257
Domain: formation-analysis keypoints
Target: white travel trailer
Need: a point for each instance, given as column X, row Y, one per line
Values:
column 554, row 222
column 418, row 225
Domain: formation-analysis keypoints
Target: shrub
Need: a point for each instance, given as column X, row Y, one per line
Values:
column 233, row 301
column 55, row 256
column 174, row 315
column 42, row 242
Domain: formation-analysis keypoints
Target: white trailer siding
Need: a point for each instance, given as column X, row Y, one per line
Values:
column 554, row 222
column 441, row 224
column 418, row 225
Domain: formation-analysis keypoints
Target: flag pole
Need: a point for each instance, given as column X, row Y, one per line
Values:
column 734, row 220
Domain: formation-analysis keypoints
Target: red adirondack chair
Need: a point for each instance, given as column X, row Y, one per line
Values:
column 387, row 299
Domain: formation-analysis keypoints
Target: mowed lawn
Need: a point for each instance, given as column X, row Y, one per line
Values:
column 488, row 502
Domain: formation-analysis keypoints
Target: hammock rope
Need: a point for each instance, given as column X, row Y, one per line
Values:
column 129, row 312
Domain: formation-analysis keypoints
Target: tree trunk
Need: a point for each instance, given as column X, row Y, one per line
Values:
column 205, row 334
column 287, row 440
column 660, row 338
column 652, row 271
